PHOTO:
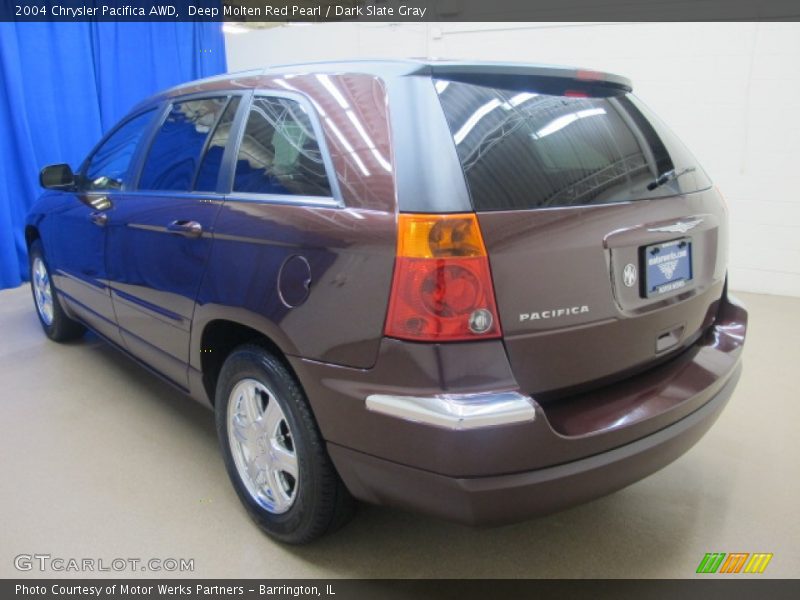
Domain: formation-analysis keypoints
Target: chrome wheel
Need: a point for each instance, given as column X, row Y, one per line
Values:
column 42, row 292
column 262, row 445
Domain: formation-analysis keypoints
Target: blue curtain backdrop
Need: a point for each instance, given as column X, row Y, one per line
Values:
column 62, row 85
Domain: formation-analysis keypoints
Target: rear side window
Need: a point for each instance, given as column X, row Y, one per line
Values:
column 279, row 153
column 108, row 167
column 175, row 153
column 520, row 149
column 206, row 180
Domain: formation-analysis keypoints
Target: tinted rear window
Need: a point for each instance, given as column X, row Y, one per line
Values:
column 521, row 149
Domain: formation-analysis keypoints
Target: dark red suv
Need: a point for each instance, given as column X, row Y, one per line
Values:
column 481, row 291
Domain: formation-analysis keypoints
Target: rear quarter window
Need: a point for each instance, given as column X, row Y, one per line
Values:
column 520, row 149
column 279, row 153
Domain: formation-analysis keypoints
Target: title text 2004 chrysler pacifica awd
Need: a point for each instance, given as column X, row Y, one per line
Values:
column 481, row 291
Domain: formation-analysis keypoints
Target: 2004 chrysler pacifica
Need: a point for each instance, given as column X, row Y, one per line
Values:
column 481, row 291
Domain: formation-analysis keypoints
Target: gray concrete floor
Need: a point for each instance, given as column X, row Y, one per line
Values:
column 102, row 460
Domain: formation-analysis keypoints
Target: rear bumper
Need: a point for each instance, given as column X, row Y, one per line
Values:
column 509, row 498
column 457, row 411
column 427, row 443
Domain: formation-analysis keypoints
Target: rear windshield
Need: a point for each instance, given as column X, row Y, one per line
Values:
column 521, row 149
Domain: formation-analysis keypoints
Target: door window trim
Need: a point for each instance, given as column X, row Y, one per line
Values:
column 147, row 143
column 224, row 191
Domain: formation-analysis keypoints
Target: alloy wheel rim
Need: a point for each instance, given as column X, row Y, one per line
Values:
column 42, row 292
column 262, row 445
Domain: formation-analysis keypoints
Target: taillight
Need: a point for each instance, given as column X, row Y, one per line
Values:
column 442, row 289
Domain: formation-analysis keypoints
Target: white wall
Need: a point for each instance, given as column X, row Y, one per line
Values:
column 731, row 91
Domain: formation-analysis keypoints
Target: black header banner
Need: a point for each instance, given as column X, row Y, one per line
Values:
column 398, row 10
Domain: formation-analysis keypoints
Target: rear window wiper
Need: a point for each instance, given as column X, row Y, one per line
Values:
column 667, row 176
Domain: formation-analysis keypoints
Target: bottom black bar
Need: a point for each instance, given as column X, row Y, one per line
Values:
column 344, row 589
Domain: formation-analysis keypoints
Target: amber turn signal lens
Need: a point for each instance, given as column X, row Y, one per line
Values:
column 439, row 236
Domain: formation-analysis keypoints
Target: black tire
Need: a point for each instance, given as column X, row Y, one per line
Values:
column 60, row 328
column 321, row 503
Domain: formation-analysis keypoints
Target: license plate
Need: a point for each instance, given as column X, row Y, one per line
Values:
column 668, row 266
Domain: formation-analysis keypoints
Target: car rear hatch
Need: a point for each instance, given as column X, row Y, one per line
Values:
column 605, row 238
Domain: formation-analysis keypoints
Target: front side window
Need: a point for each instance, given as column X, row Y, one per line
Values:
column 173, row 158
column 108, row 167
column 279, row 153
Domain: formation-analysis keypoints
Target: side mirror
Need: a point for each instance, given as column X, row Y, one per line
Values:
column 57, row 177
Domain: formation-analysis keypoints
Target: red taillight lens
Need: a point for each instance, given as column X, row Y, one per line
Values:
column 442, row 288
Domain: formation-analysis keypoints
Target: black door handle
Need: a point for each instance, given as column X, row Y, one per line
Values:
column 98, row 218
column 186, row 228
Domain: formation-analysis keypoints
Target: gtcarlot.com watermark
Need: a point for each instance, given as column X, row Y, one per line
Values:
column 47, row 563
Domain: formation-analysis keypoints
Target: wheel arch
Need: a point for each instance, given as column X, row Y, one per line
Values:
column 218, row 337
column 31, row 235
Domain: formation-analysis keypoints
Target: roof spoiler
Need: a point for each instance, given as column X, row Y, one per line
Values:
column 545, row 79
